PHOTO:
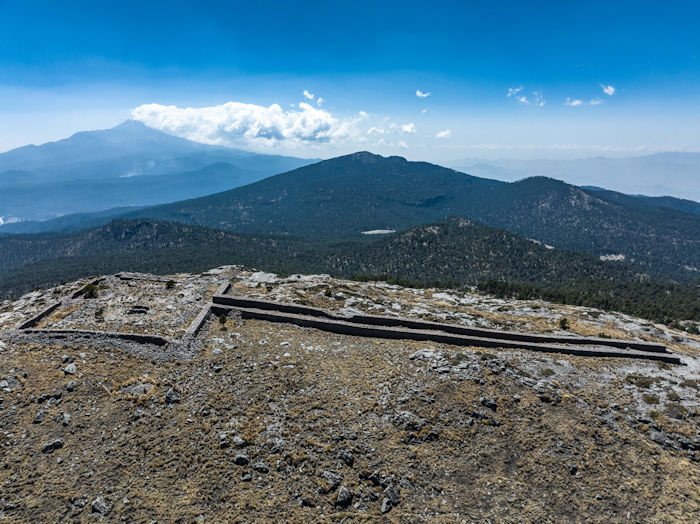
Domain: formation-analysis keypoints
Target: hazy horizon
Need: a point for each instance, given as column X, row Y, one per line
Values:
column 435, row 85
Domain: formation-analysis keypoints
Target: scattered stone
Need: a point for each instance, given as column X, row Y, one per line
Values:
column 65, row 419
column 172, row 397
column 374, row 478
column 261, row 467
column 217, row 351
column 70, row 386
column 70, row 369
column 344, row 497
column 334, row 480
column 138, row 389
column 224, row 442
column 386, row 505
column 66, row 359
column 101, row 506
column 50, row 447
column 239, row 441
column 347, row 457
column 408, row 421
column 393, row 495
column 39, row 417
column 246, row 477
column 489, row 403
column 241, row 459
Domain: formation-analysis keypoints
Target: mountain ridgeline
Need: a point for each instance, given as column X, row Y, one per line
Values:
column 337, row 199
column 128, row 165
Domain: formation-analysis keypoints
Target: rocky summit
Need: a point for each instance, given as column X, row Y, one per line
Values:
column 133, row 397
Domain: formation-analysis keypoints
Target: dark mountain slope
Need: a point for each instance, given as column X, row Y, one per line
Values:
column 646, row 202
column 460, row 250
column 341, row 197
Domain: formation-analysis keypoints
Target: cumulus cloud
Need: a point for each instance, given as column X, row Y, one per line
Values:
column 408, row 128
column 596, row 101
column 608, row 89
column 320, row 101
column 445, row 133
column 421, row 94
column 235, row 123
column 307, row 95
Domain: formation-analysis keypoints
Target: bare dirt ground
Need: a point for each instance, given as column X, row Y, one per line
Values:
column 276, row 422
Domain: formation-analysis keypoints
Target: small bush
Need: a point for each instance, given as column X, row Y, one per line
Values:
column 650, row 399
column 548, row 372
column 673, row 396
column 641, row 381
column 170, row 284
column 222, row 321
column 564, row 323
column 90, row 291
column 675, row 410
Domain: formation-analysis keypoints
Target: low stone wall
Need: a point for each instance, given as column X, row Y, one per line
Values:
column 349, row 328
column 132, row 337
column 374, row 320
column 40, row 316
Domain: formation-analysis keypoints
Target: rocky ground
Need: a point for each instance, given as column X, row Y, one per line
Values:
column 276, row 422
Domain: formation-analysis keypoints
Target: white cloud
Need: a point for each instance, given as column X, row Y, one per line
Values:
column 421, row 94
column 539, row 99
column 377, row 130
column 403, row 144
column 608, row 89
column 575, row 102
column 516, row 94
column 424, row 111
column 236, row 123
column 307, row 95
column 445, row 133
column 512, row 91
column 320, row 101
column 408, row 128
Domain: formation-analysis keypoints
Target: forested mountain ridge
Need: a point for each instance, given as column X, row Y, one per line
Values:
column 455, row 252
column 339, row 198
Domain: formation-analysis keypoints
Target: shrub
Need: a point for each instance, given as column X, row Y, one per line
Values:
column 650, row 399
column 90, row 291
column 170, row 284
column 564, row 323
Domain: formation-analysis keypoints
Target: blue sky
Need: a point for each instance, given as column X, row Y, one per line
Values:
column 584, row 78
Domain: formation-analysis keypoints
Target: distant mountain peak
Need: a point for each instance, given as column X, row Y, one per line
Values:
column 362, row 156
